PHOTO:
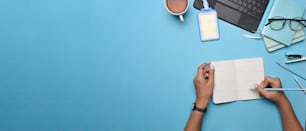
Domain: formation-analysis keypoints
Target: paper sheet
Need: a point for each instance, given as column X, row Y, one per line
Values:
column 235, row 78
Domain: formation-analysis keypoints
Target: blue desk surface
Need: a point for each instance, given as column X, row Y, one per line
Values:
column 122, row 65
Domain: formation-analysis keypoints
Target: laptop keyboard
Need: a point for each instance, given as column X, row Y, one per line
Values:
column 253, row 8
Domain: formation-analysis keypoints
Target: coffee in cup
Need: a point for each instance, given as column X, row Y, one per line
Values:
column 177, row 7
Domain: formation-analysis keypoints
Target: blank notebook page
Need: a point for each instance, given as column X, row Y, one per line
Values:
column 235, row 78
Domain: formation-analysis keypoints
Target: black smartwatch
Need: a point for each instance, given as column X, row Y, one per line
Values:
column 194, row 107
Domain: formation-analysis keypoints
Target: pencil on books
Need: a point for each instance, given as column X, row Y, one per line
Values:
column 290, row 71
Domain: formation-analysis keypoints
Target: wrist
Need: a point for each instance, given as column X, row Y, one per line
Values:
column 202, row 102
column 282, row 100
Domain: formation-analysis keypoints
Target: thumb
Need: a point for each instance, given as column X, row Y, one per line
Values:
column 212, row 74
column 261, row 91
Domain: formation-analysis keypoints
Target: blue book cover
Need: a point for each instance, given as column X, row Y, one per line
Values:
column 285, row 9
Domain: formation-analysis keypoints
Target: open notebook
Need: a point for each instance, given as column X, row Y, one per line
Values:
column 235, row 78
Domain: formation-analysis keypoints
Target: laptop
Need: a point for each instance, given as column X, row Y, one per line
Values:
column 245, row 14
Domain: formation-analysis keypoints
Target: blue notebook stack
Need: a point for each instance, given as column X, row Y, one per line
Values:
column 275, row 40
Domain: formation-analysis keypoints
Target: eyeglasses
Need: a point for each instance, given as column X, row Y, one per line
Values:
column 278, row 23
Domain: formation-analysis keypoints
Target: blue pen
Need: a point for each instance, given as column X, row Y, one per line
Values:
column 285, row 89
column 279, row 89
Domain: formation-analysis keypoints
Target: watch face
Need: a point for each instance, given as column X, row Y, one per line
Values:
column 193, row 106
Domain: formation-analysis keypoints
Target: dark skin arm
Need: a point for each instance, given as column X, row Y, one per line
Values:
column 204, row 89
column 289, row 120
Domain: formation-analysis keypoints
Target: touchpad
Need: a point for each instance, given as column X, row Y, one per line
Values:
column 227, row 13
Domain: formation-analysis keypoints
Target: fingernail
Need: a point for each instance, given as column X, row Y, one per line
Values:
column 212, row 67
column 255, row 85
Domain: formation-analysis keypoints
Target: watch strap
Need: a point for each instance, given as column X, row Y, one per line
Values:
column 198, row 109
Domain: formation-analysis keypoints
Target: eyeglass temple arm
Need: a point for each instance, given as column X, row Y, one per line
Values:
column 272, row 19
column 269, row 22
column 304, row 23
column 301, row 22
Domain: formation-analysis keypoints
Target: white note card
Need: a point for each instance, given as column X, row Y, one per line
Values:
column 235, row 78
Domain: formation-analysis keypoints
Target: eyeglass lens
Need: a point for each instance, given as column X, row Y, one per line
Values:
column 295, row 25
column 277, row 24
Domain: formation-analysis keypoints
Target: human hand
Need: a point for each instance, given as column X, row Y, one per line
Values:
column 204, row 84
column 276, row 96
